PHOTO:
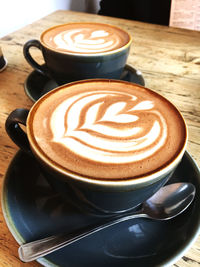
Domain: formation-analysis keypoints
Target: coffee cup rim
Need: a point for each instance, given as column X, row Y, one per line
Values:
column 86, row 54
column 129, row 182
column 117, row 183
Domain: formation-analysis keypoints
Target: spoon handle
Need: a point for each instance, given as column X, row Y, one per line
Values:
column 39, row 248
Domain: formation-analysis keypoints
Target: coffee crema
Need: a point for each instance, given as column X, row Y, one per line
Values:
column 107, row 129
column 85, row 38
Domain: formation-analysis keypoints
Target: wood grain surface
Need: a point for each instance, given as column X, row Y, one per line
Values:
column 169, row 59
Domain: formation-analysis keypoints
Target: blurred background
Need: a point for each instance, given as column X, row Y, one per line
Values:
column 15, row 14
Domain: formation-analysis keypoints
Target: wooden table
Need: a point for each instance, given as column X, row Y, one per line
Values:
column 169, row 59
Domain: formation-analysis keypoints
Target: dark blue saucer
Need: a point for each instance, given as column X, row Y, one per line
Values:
column 33, row 210
column 37, row 84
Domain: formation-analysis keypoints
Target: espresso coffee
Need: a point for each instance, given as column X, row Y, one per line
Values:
column 85, row 38
column 107, row 129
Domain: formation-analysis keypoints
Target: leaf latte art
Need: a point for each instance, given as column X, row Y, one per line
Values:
column 86, row 40
column 109, row 127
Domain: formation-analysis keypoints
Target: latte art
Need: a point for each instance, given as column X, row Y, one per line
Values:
column 105, row 129
column 109, row 127
column 86, row 41
column 86, row 38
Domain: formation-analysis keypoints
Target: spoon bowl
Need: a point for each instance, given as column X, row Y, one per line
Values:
column 170, row 201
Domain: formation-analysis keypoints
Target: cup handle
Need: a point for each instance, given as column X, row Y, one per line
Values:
column 15, row 132
column 26, row 50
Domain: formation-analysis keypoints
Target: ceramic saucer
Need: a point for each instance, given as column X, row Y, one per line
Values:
column 37, row 84
column 33, row 210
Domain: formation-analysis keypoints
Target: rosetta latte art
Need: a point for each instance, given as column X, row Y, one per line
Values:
column 86, row 40
column 109, row 126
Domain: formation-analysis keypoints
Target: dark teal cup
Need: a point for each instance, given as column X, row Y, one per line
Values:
column 64, row 66
column 100, row 196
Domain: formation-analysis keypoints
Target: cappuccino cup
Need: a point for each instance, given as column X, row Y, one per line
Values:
column 110, row 142
column 81, row 50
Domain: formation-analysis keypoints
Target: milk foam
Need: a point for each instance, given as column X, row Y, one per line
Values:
column 109, row 127
column 86, row 40
column 106, row 129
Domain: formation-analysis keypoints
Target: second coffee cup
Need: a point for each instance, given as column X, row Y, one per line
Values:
column 83, row 50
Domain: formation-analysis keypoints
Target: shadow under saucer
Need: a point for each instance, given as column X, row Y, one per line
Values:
column 33, row 210
column 37, row 84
